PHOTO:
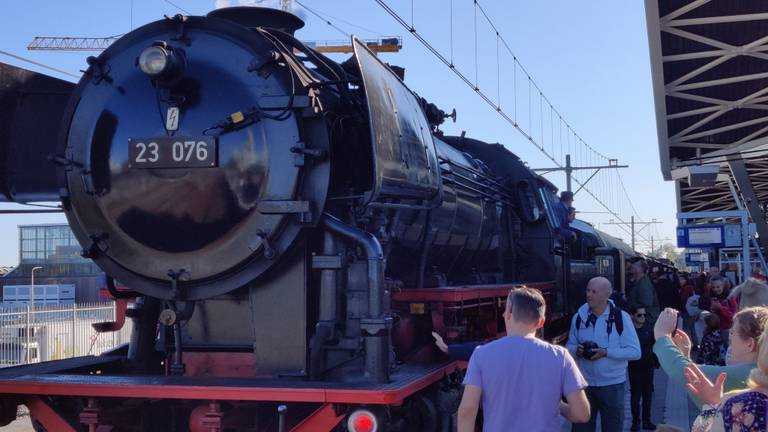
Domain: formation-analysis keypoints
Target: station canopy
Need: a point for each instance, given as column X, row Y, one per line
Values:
column 709, row 60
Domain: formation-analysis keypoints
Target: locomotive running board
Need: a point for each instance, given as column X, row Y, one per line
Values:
column 408, row 380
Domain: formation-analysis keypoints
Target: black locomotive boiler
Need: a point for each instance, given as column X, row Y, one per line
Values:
column 289, row 229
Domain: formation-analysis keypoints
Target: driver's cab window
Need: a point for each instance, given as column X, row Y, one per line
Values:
column 588, row 244
column 549, row 200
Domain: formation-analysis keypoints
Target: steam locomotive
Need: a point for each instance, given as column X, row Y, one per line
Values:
column 290, row 230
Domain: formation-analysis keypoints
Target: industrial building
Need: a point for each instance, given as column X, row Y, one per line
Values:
column 53, row 254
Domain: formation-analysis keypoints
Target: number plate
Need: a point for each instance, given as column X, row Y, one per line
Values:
column 172, row 152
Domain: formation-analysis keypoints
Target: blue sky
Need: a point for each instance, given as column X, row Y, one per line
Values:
column 590, row 59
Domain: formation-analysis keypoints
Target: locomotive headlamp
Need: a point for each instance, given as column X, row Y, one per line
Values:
column 155, row 61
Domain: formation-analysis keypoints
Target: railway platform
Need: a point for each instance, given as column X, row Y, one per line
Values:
column 670, row 407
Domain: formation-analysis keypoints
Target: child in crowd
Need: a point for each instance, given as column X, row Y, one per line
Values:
column 720, row 304
column 694, row 310
column 641, row 372
column 712, row 342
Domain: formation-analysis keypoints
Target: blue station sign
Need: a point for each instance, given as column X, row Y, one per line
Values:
column 696, row 258
column 708, row 236
column 700, row 236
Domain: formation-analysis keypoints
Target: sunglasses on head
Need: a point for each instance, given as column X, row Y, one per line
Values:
column 640, row 315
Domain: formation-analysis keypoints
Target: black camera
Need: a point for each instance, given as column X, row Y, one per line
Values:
column 705, row 303
column 590, row 349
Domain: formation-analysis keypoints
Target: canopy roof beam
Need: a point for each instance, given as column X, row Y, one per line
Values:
column 743, row 182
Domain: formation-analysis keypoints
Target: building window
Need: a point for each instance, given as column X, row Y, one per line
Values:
column 48, row 242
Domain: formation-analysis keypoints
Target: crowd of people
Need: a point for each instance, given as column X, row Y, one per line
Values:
column 720, row 354
column 703, row 332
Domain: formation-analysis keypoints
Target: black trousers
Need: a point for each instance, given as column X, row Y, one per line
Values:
column 641, row 387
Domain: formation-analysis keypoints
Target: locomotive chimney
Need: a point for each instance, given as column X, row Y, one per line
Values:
column 253, row 17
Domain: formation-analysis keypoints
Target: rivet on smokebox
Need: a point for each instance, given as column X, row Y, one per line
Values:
column 237, row 117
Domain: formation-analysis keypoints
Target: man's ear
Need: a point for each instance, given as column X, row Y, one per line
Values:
column 540, row 324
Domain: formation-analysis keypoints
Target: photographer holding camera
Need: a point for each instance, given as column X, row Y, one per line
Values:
column 603, row 339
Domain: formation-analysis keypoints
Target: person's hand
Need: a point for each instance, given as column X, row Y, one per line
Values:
column 440, row 342
column 700, row 386
column 665, row 325
column 600, row 353
column 580, row 350
column 682, row 342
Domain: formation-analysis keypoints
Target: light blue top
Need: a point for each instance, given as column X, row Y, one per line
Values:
column 620, row 349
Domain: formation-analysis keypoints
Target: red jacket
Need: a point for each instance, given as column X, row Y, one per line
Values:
column 728, row 308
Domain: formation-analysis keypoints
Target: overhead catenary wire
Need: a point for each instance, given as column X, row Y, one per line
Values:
column 326, row 16
column 578, row 138
column 593, row 154
column 172, row 4
column 475, row 31
column 498, row 75
column 516, row 59
column 327, row 21
column 634, row 210
column 450, row 14
column 513, row 120
column 51, row 68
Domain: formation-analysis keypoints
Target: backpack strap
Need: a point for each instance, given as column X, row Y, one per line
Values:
column 618, row 319
column 611, row 320
column 614, row 317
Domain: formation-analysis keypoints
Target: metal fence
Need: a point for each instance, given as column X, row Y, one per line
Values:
column 33, row 334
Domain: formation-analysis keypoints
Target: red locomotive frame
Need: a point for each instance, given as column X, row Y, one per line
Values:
column 31, row 385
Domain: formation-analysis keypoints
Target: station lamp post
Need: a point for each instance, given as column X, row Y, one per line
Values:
column 30, row 315
column 32, row 291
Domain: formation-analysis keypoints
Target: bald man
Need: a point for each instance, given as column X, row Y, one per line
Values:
column 603, row 340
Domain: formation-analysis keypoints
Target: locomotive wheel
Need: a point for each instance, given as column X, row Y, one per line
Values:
column 421, row 415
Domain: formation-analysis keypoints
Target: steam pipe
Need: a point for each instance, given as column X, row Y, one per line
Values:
column 326, row 326
column 373, row 253
column 376, row 327
column 328, row 282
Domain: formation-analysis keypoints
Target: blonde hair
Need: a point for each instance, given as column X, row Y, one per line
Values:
column 759, row 375
column 751, row 322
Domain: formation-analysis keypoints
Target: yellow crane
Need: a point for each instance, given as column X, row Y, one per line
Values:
column 59, row 43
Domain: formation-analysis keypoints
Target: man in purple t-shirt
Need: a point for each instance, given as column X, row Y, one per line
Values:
column 521, row 379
